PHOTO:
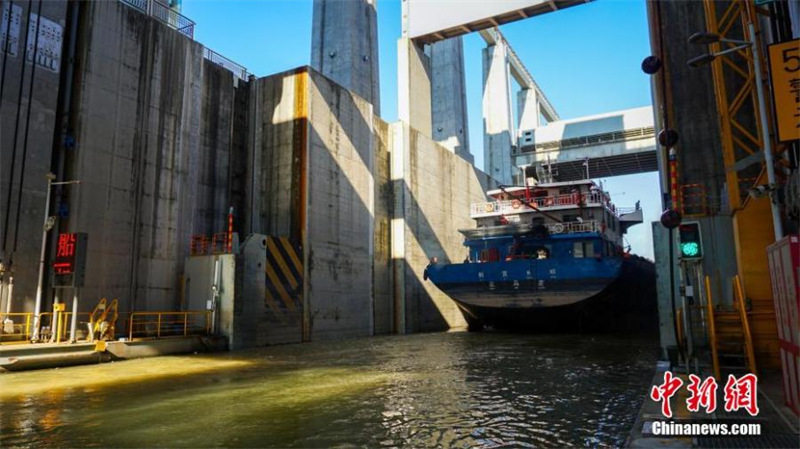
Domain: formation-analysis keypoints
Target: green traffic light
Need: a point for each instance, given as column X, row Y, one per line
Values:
column 690, row 249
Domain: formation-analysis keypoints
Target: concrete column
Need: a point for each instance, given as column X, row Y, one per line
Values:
column 399, row 161
column 449, row 97
column 498, row 126
column 344, row 45
column 414, row 86
column 528, row 109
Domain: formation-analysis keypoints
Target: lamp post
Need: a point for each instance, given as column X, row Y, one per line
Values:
column 48, row 224
column 709, row 38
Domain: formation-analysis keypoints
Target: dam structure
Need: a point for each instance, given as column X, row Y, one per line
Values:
column 167, row 137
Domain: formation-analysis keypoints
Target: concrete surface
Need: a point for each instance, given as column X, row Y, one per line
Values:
column 499, row 135
column 344, row 45
column 154, row 131
column 59, row 355
column 414, row 86
column 433, row 191
column 449, row 97
column 27, row 128
column 166, row 142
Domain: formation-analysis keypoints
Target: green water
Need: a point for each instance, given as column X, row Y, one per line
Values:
column 429, row 390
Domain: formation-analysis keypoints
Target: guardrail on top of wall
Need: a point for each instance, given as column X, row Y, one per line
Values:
column 185, row 26
column 164, row 14
column 220, row 60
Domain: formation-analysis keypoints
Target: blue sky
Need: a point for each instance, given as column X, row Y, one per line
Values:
column 585, row 58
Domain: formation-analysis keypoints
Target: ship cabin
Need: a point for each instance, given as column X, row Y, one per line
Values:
column 571, row 219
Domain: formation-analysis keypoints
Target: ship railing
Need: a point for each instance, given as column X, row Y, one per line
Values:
column 574, row 226
column 504, row 207
column 625, row 210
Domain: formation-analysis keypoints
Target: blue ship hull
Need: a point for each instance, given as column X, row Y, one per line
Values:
column 562, row 295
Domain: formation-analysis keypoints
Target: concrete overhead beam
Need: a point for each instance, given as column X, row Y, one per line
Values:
column 430, row 21
column 520, row 73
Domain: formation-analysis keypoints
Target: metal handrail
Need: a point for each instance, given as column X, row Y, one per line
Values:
column 594, row 139
column 712, row 329
column 24, row 329
column 182, row 24
column 575, row 226
column 237, row 69
column 490, row 208
column 154, row 325
column 64, row 318
column 164, row 14
column 748, row 336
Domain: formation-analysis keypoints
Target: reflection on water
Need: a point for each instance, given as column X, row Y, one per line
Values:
column 449, row 389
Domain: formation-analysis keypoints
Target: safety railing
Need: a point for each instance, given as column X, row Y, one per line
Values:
column 152, row 325
column 19, row 327
column 104, row 319
column 220, row 60
column 182, row 24
column 64, row 319
column 164, row 14
column 504, row 207
column 575, row 226
column 595, row 139
column 739, row 299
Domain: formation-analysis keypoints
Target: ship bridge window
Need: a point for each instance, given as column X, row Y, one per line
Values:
column 542, row 253
column 583, row 249
column 490, row 255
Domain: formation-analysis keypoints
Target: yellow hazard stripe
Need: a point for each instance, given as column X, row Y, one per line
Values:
column 273, row 305
column 281, row 291
column 290, row 250
column 273, row 248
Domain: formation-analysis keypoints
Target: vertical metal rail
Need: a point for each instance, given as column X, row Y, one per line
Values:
column 748, row 338
column 712, row 329
column 735, row 86
column 679, row 320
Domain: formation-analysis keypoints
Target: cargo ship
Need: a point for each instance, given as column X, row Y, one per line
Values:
column 549, row 256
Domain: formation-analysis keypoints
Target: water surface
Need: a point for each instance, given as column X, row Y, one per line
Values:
column 429, row 390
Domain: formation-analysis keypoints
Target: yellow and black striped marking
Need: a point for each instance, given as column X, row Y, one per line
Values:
column 284, row 269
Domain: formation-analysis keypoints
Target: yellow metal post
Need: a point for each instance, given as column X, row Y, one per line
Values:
column 748, row 338
column 712, row 330
column 742, row 138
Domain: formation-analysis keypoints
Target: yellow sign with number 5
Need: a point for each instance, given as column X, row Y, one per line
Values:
column 784, row 64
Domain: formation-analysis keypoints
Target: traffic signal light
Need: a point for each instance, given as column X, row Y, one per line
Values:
column 691, row 244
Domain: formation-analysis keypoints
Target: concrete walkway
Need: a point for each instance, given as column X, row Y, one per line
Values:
column 23, row 357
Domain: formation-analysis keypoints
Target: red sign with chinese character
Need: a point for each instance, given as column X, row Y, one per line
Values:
column 65, row 254
column 740, row 393
column 70, row 260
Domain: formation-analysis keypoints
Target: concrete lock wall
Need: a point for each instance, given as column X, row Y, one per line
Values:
column 153, row 124
column 28, row 101
column 433, row 191
column 166, row 142
column 327, row 174
column 315, row 176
